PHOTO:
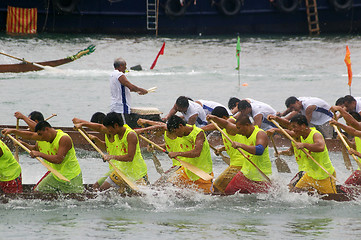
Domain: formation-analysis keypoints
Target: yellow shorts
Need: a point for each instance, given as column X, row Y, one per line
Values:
column 123, row 186
column 226, row 176
column 181, row 179
column 327, row 185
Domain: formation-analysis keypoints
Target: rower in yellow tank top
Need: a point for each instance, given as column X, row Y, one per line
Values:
column 315, row 177
column 56, row 147
column 10, row 171
column 122, row 146
column 194, row 149
column 255, row 146
column 236, row 158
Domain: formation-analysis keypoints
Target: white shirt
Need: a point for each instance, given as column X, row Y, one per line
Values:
column 358, row 104
column 264, row 109
column 195, row 108
column 120, row 94
column 321, row 114
column 208, row 106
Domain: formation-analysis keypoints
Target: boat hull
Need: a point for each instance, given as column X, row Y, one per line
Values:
column 130, row 17
column 27, row 67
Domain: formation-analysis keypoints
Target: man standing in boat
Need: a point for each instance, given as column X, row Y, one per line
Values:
column 122, row 145
column 57, row 148
column 255, row 146
column 10, row 171
column 120, row 89
column 194, row 149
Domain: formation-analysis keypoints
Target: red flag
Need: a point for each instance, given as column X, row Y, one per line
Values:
column 161, row 52
column 348, row 64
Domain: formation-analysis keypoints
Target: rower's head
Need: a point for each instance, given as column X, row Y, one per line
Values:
column 36, row 116
column 97, row 117
column 175, row 125
column 113, row 121
column 244, row 107
column 220, row 112
column 120, row 64
column 45, row 130
column 349, row 103
column 233, row 104
column 293, row 103
column 182, row 104
column 244, row 124
column 299, row 124
column 340, row 102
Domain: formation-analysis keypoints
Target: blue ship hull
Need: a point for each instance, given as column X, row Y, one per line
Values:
column 130, row 17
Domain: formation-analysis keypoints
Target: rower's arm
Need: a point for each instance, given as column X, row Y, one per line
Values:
column 27, row 120
column 282, row 121
column 23, row 134
column 196, row 152
column 317, row 146
column 193, row 119
column 261, row 140
column 309, row 111
column 258, row 120
column 65, row 144
column 132, row 147
column 94, row 126
column 172, row 112
column 348, row 129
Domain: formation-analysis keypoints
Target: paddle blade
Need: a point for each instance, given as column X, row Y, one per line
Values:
column 282, row 166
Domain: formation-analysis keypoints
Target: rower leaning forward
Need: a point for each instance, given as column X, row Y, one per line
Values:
column 122, row 145
column 57, row 148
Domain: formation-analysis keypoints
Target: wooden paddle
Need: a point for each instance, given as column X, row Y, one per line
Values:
column 16, row 137
column 244, row 155
column 33, row 63
column 224, row 158
column 130, row 183
column 56, row 173
column 152, row 89
column 346, row 145
column 303, row 150
column 281, row 164
column 52, row 115
column 199, row 172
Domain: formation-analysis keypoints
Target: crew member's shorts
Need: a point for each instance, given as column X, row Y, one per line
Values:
column 323, row 186
column 51, row 185
column 13, row 186
column 180, row 179
column 242, row 184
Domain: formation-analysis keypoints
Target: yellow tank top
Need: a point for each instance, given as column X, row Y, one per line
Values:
column 69, row 168
column 9, row 167
column 322, row 158
column 263, row 161
column 204, row 161
column 135, row 169
column 300, row 158
column 173, row 145
column 236, row 157
column 358, row 147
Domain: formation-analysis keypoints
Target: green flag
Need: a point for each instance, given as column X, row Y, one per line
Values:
column 238, row 52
